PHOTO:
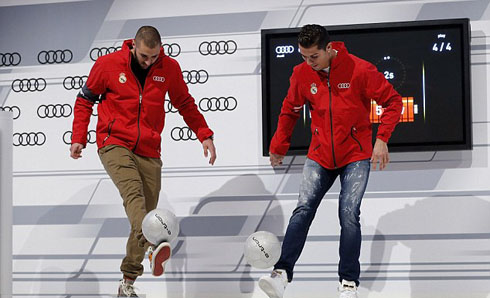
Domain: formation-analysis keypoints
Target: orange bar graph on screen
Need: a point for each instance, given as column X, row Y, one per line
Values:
column 408, row 111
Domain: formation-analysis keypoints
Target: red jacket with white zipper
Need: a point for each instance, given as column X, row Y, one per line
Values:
column 340, row 104
column 129, row 115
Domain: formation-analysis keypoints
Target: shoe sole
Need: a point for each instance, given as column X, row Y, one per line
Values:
column 160, row 257
column 120, row 294
column 268, row 288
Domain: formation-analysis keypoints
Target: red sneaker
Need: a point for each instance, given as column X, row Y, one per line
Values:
column 158, row 257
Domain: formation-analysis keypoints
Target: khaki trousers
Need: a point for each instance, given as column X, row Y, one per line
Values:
column 138, row 180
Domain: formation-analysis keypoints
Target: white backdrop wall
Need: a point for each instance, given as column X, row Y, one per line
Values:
column 426, row 223
column 6, row 125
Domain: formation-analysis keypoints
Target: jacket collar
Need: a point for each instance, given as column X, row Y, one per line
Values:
column 342, row 54
column 342, row 58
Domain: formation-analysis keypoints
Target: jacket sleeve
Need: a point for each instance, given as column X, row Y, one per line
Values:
column 185, row 104
column 287, row 118
column 88, row 95
column 379, row 89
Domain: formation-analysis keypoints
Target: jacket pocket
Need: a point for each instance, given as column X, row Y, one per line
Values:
column 109, row 131
column 316, row 135
column 353, row 132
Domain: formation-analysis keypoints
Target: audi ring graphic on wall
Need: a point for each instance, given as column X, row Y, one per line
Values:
column 29, row 139
column 214, row 104
column 195, row 76
column 67, row 137
column 28, row 85
column 13, row 109
column 54, row 56
column 169, row 108
column 171, row 50
column 10, row 59
column 54, row 111
column 182, row 134
column 217, row 47
column 75, row 82
column 91, row 137
column 97, row 52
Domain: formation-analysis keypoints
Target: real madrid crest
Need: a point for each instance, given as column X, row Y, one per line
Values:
column 122, row 78
column 313, row 89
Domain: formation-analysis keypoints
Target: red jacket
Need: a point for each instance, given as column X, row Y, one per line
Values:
column 340, row 104
column 128, row 116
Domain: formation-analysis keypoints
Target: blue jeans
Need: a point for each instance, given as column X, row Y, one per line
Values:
column 317, row 180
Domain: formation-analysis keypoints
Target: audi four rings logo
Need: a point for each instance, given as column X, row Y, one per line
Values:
column 28, row 85
column 54, row 111
column 158, row 79
column 171, row 50
column 54, row 56
column 29, row 139
column 281, row 51
column 182, row 134
column 91, row 137
column 13, row 109
column 217, row 47
column 214, row 104
column 10, row 59
column 195, row 76
column 97, row 52
column 343, row 85
column 169, row 108
column 75, row 82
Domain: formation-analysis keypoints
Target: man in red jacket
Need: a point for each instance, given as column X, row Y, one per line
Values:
column 338, row 88
column 130, row 85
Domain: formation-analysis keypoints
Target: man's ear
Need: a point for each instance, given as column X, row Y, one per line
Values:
column 329, row 46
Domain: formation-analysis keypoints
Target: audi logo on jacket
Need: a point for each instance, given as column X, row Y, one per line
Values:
column 340, row 105
column 130, row 117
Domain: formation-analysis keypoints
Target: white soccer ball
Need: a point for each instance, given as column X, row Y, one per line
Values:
column 262, row 250
column 160, row 225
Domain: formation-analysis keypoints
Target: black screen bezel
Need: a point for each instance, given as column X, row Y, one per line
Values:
column 464, row 28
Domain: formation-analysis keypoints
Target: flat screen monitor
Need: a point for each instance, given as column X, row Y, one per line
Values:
column 427, row 62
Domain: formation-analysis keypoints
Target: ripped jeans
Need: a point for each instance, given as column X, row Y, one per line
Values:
column 317, row 180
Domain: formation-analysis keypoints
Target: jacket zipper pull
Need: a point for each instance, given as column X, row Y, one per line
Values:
column 141, row 97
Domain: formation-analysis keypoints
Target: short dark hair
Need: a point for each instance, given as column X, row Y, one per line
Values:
column 149, row 35
column 312, row 34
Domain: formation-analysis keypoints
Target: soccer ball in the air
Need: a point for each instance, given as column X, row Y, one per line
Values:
column 160, row 225
column 262, row 249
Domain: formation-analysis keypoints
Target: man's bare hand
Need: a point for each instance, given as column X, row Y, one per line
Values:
column 276, row 159
column 76, row 150
column 208, row 145
column 380, row 154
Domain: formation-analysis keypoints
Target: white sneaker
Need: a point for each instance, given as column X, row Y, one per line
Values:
column 347, row 289
column 275, row 284
column 126, row 289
